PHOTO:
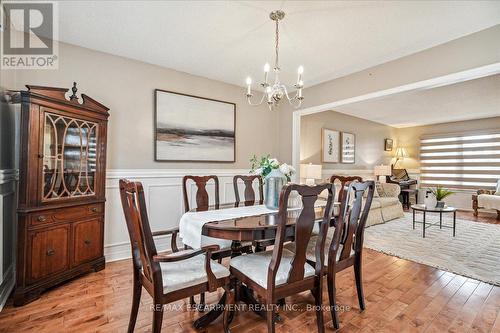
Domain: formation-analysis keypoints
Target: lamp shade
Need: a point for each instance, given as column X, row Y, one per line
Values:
column 382, row 170
column 310, row 171
column 401, row 153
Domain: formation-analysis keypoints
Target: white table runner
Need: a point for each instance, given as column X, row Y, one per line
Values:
column 191, row 224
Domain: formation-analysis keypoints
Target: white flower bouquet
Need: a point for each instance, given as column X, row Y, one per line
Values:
column 266, row 164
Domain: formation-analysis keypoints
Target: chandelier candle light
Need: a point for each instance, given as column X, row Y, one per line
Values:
column 274, row 93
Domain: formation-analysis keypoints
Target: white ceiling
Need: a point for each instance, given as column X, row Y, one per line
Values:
column 474, row 99
column 229, row 40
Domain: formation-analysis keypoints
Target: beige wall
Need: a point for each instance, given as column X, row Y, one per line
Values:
column 369, row 139
column 472, row 51
column 410, row 137
column 127, row 88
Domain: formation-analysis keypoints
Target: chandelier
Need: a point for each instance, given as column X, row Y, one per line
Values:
column 274, row 93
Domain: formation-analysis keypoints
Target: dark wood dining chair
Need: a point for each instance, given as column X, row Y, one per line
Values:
column 250, row 200
column 343, row 180
column 347, row 251
column 202, row 198
column 344, row 241
column 166, row 277
column 278, row 273
column 249, row 192
column 202, row 204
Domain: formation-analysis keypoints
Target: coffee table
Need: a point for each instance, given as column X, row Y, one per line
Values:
column 426, row 209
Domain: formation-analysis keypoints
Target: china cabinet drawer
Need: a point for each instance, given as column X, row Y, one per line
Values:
column 87, row 240
column 48, row 252
column 66, row 214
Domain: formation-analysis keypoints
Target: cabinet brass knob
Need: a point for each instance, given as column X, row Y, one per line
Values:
column 42, row 218
column 50, row 252
column 94, row 209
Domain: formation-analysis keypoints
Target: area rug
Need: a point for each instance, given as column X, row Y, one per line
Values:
column 474, row 252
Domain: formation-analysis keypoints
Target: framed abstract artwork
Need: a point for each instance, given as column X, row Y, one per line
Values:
column 330, row 143
column 348, row 146
column 388, row 144
column 193, row 129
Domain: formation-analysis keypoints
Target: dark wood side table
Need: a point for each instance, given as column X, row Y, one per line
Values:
column 425, row 209
column 405, row 193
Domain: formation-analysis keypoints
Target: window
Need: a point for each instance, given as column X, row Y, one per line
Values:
column 461, row 161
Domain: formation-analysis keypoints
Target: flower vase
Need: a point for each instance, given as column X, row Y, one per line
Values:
column 273, row 183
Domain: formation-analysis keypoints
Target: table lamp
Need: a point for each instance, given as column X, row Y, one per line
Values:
column 401, row 153
column 310, row 172
column 382, row 170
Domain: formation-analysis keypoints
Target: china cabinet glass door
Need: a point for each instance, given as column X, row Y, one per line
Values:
column 69, row 157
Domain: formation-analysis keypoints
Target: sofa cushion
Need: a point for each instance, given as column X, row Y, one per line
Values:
column 375, row 203
column 488, row 201
column 391, row 190
column 388, row 201
column 379, row 190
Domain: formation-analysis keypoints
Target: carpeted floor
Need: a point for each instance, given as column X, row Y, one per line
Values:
column 474, row 252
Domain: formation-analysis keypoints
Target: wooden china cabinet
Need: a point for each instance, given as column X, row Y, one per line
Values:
column 61, row 190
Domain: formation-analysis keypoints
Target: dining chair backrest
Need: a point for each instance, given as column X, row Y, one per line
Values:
column 249, row 193
column 344, row 181
column 353, row 216
column 303, row 230
column 202, row 198
column 141, row 239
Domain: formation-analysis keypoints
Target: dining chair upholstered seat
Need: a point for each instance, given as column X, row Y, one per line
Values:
column 189, row 272
column 255, row 266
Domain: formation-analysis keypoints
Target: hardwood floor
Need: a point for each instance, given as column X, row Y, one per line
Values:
column 485, row 217
column 401, row 296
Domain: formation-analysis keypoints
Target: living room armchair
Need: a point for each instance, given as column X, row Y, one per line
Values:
column 486, row 199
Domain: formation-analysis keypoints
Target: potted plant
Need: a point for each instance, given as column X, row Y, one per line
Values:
column 440, row 193
column 275, row 175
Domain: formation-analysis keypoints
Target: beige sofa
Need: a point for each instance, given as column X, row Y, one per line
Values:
column 386, row 205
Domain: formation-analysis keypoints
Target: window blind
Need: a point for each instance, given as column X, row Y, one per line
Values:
column 461, row 161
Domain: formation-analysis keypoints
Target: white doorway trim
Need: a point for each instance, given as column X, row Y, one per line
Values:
column 440, row 81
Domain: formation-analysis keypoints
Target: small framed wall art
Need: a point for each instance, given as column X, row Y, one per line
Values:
column 348, row 146
column 330, row 143
column 388, row 144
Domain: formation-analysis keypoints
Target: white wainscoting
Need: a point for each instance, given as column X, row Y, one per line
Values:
column 8, row 199
column 163, row 193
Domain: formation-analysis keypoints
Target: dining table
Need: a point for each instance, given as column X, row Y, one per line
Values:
column 241, row 230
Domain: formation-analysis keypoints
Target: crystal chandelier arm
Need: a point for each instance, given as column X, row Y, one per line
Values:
column 292, row 100
column 256, row 104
